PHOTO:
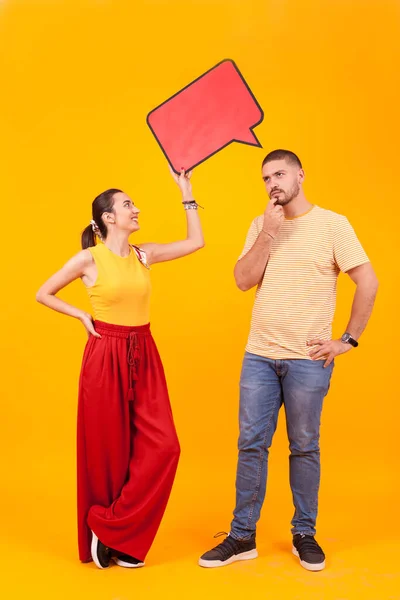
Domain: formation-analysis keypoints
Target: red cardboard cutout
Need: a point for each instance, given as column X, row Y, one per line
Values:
column 213, row 111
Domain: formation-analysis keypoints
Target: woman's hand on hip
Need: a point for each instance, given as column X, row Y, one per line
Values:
column 87, row 322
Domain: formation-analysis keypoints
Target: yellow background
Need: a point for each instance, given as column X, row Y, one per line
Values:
column 77, row 81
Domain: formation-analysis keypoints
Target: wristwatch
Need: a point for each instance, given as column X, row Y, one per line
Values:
column 347, row 339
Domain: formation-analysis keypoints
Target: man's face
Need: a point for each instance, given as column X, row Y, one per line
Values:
column 282, row 181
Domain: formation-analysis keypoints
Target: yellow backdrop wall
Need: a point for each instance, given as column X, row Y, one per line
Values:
column 78, row 79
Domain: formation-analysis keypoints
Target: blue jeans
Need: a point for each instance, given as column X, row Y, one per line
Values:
column 266, row 384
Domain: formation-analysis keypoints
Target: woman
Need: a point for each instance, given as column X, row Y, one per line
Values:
column 127, row 447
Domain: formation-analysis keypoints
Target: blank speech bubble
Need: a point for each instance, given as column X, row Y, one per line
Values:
column 210, row 113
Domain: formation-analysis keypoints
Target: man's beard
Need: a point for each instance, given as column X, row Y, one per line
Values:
column 288, row 196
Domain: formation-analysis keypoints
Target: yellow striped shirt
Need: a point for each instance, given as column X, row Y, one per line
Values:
column 295, row 301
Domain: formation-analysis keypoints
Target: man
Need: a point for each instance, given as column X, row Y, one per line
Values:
column 293, row 253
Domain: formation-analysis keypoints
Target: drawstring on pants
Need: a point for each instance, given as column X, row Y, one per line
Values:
column 133, row 361
column 131, row 334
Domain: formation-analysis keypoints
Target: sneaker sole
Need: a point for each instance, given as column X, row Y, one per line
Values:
column 309, row 566
column 93, row 550
column 222, row 563
column 127, row 565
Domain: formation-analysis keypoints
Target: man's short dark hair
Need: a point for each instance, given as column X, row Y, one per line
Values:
column 291, row 157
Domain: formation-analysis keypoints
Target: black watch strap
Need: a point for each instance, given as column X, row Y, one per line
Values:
column 348, row 339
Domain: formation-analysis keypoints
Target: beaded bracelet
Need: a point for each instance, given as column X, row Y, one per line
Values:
column 192, row 205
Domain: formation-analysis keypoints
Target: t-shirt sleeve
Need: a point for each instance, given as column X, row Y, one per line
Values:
column 347, row 250
column 251, row 238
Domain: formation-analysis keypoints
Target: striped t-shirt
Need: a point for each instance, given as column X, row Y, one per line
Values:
column 295, row 301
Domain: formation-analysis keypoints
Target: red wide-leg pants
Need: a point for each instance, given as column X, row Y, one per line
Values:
column 127, row 448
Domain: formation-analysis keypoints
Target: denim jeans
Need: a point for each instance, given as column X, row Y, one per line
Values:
column 266, row 384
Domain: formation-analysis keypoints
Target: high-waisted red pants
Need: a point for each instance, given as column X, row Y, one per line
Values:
column 127, row 446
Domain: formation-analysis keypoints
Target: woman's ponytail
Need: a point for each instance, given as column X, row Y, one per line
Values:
column 88, row 238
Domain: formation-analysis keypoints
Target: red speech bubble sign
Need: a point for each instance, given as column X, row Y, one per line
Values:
column 207, row 115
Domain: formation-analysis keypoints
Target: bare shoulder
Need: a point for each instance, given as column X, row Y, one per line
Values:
column 80, row 263
column 146, row 247
column 84, row 258
column 147, row 250
column 77, row 266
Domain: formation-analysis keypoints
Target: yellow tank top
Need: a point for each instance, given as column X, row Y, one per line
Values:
column 121, row 292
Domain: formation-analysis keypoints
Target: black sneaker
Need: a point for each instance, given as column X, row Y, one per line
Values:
column 101, row 554
column 310, row 553
column 130, row 562
column 229, row 551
